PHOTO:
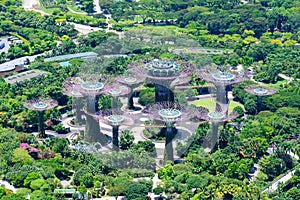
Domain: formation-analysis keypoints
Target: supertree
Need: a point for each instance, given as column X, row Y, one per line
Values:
column 215, row 118
column 260, row 91
column 72, row 88
column 164, row 74
column 222, row 77
column 132, row 81
column 169, row 113
column 40, row 105
column 90, row 90
column 94, row 83
column 116, row 91
column 114, row 118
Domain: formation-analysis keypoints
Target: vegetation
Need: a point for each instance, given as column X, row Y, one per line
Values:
column 210, row 104
column 261, row 36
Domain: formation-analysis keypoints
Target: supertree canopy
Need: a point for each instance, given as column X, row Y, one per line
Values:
column 40, row 105
column 164, row 74
column 116, row 91
column 221, row 77
column 132, row 81
column 169, row 113
column 72, row 88
column 260, row 91
column 114, row 118
column 215, row 118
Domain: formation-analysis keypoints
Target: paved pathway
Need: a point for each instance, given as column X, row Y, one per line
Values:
column 33, row 5
column 97, row 7
column 84, row 29
column 285, row 77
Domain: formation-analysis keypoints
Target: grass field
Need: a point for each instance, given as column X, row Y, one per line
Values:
column 278, row 84
column 210, row 104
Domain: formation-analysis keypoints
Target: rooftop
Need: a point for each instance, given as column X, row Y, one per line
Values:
column 70, row 56
column 23, row 76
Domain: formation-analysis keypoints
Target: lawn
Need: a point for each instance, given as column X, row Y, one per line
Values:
column 278, row 84
column 210, row 104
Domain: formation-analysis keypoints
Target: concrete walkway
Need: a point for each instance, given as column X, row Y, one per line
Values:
column 97, row 7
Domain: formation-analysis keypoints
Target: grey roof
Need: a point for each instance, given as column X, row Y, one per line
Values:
column 23, row 76
column 70, row 56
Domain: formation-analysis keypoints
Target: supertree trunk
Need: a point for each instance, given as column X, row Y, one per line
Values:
column 130, row 103
column 214, row 136
column 115, row 139
column 168, row 145
column 222, row 96
column 41, row 130
column 114, row 103
column 78, row 114
column 92, row 128
column 163, row 94
column 259, row 103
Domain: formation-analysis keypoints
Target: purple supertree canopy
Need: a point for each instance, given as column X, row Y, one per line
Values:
column 93, row 88
column 163, row 72
column 222, row 75
column 130, row 80
column 117, row 90
column 169, row 112
column 114, row 117
column 40, row 104
column 72, row 87
column 217, row 116
column 260, row 90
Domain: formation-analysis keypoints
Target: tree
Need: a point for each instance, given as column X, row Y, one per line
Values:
column 126, row 139
column 61, row 145
column 250, row 106
column 79, row 174
column 136, row 191
column 21, row 156
column 14, row 197
column 24, row 192
column 38, row 195
column 119, row 185
column 239, row 110
column 250, row 192
column 147, row 146
column 2, row 191
column 166, row 173
column 37, row 184
column 147, row 96
column 30, row 177
column 272, row 166
column 239, row 169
